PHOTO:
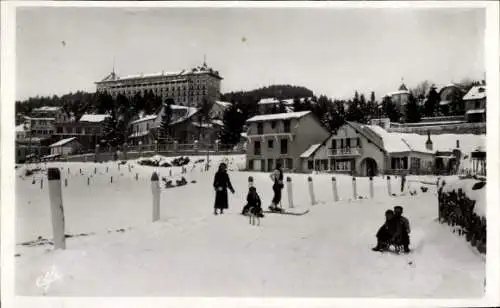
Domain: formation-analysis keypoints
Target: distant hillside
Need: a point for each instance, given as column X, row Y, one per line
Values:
column 278, row 91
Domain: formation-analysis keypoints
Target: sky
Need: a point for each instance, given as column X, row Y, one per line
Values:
column 332, row 51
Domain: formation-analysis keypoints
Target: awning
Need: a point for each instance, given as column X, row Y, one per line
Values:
column 474, row 111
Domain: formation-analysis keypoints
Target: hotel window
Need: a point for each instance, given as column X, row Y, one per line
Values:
column 289, row 163
column 286, row 124
column 256, row 149
column 348, row 143
column 273, row 124
column 334, row 144
column 284, row 146
column 270, row 144
column 260, row 128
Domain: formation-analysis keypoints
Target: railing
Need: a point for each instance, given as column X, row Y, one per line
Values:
column 344, row 151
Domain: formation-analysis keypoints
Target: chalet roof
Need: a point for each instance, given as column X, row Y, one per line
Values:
column 278, row 116
column 476, row 92
column 311, row 150
column 94, row 118
column 62, row 142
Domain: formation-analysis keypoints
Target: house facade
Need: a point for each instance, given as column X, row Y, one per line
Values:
column 65, row 147
column 281, row 138
column 367, row 150
column 450, row 98
column 218, row 109
column 89, row 130
column 475, row 104
column 400, row 97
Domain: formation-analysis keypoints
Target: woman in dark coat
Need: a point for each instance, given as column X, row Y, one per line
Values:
column 221, row 184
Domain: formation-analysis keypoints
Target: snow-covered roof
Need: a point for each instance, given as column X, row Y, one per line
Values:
column 62, row 142
column 191, row 111
column 150, row 117
column 94, row 118
column 278, row 116
column 392, row 143
column 476, row 92
column 473, row 111
column 37, row 118
column 223, row 104
column 269, row 100
column 398, row 92
column 47, row 109
column 307, row 153
column 218, row 122
column 22, row 128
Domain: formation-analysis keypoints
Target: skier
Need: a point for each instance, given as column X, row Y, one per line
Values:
column 253, row 205
column 405, row 230
column 277, row 178
column 221, row 184
column 388, row 233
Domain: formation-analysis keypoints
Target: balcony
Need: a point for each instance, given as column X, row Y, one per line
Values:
column 344, row 152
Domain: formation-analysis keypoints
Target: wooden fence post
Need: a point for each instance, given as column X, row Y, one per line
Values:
column 56, row 208
column 354, row 189
column 290, row 192
column 334, row 186
column 155, row 188
column 311, row 190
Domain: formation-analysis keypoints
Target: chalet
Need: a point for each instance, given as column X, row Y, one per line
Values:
column 89, row 129
column 281, row 138
column 65, row 147
column 475, row 104
column 367, row 150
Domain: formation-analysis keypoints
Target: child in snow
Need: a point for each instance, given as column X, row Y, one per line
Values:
column 253, row 205
column 389, row 232
column 277, row 178
column 221, row 184
column 405, row 230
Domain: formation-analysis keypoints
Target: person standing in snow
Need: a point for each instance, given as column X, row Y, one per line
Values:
column 253, row 205
column 277, row 178
column 405, row 230
column 221, row 184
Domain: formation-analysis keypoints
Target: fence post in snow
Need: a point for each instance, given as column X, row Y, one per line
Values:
column 371, row 187
column 311, row 190
column 95, row 170
column 66, row 182
column 137, row 176
column 334, row 186
column 68, row 170
column 129, row 168
column 403, row 181
column 290, row 192
column 88, row 181
column 107, row 169
column 354, row 189
column 96, row 156
column 250, row 181
column 56, row 208
column 389, row 185
column 118, row 166
column 155, row 188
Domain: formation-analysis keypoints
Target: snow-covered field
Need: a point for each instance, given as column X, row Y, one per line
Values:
column 191, row 252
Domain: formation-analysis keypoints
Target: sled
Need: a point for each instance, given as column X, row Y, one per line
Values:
column 295, row 212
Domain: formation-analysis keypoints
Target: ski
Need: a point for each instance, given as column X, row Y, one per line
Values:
column 288, row 212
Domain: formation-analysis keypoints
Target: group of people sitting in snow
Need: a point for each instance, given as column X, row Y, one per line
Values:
column 254, row 205
column 395, row 231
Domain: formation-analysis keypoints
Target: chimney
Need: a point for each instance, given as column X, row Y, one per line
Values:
column 428, row 143
column 458, row 144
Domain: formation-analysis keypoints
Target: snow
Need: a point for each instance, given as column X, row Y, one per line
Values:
column 94, row 118
column 475, row 111
column 47, row 109
column 393, row 143
column 223, row 104
column 191, row 252
column 278, row 116
column 479, row 195
column 151, row 117
column 269, row 100
column 476, row 92
column 22, row 128
column 307, row 153
column 62, row 142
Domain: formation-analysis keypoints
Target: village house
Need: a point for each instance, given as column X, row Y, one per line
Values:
column 475, row 104
column 449, row 94
column 368, row 150
column 281, row 138
column 89, row 129
column 267, row 105
column 65, row 147
column 218, row 109
column 400, row 97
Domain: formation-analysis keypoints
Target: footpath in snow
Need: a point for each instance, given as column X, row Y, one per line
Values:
column 191, row 252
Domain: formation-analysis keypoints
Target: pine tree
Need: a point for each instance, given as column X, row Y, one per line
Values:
column 204, row 107
column 431, row 103
column 412, row 111
column 234, row 121
column 390, row 109
column 354, row 112
column 297, row 105
column 166, row 119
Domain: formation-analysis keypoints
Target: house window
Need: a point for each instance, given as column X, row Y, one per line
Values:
column 78, row 130
column 284, row 146
column 334, row 144
column 270, row 144
column 359, row 142
column 260, row 129
column 310, row 164
column 250, row 164
column 286, row 124
column 348, row 143
column 477, row 104
column 343, row 165
column 59, row 130
column 289, row 163
column 273, row 124
column 256, row 149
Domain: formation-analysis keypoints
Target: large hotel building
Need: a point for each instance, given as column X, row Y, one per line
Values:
column 187, row 87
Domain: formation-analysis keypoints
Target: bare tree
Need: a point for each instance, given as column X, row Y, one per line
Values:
column 421, row 89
